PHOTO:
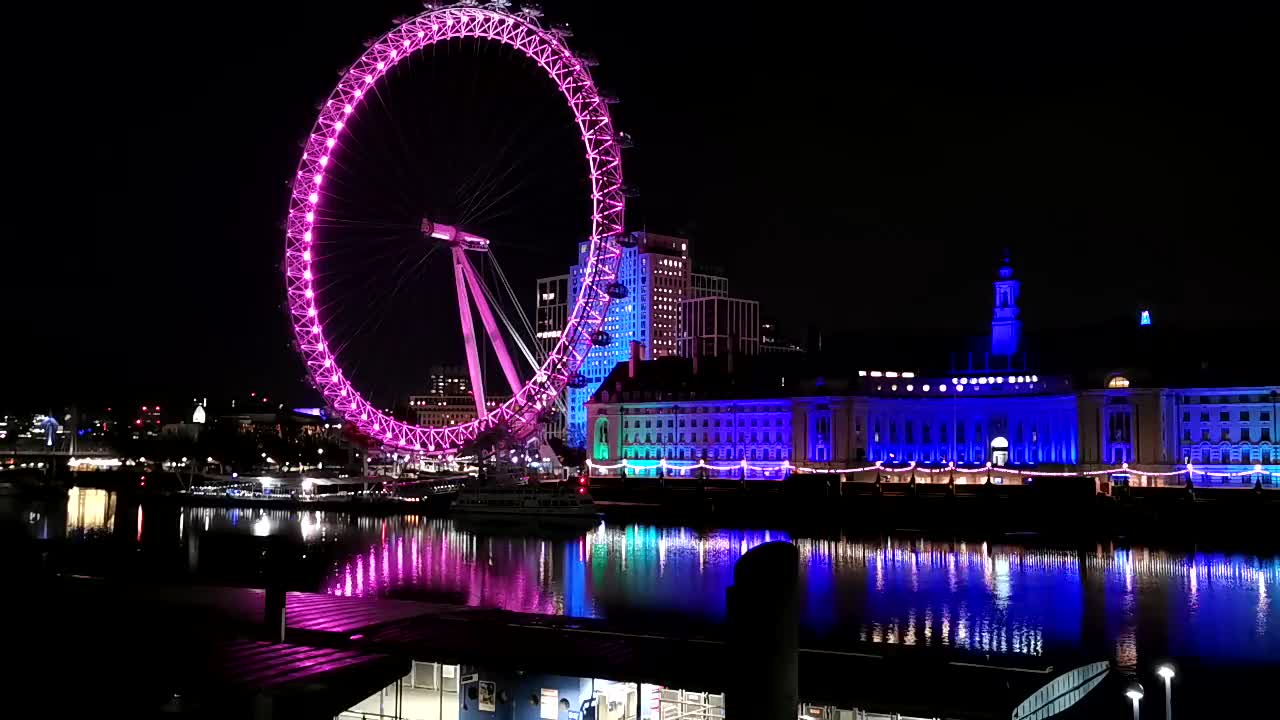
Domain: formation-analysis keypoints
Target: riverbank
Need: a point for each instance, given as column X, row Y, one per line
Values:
column 1067, row 509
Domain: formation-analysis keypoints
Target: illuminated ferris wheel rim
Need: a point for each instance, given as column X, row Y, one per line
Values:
column 547, row 49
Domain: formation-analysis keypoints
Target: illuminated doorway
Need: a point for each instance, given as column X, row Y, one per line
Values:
column 999, row 451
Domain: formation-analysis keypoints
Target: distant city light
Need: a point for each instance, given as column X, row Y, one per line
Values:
column 1145, row 318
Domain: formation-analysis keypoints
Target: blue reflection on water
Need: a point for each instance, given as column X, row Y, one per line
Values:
column 1122, row 602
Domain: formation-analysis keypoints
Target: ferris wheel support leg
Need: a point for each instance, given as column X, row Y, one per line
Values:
column 460, row 266
column 491, row 327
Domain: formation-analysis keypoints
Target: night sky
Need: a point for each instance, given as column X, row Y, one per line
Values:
column 858, row 170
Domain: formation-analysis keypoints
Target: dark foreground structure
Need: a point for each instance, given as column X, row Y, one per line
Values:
column 207, row 652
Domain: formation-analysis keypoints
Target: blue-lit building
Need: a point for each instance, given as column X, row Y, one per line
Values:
column 656, row 274
column 759, row 418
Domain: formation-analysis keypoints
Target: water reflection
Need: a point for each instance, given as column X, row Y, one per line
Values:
column 997, row 599
column 90, row 510
column 1127, row 602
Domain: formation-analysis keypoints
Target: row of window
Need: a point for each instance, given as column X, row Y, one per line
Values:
column 742, row 422
column 1231, row 399
column 1225, row 416
column 970, row 455
column 696, row 454
column 1020, row 434
column 695, row 409
column 628, row 438
column 1244, row 435
column 1237, row 455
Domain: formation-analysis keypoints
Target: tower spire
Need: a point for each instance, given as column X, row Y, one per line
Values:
column 1006, row 328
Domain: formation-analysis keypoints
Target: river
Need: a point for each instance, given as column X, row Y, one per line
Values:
column 1130, row 603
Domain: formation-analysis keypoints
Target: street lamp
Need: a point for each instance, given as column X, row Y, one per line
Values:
column 1134, row 693
column 1165, row 670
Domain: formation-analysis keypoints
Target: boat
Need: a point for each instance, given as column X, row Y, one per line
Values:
column 557, row 502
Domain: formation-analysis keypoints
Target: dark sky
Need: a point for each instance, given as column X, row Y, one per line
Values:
column 858, row 169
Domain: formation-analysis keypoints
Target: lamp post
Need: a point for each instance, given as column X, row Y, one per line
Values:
column 1165, row 670
column 1134, row 693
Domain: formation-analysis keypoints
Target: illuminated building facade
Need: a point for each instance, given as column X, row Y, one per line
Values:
column 714, row 415
column 1015, row 420
column 1027, row 421
column 755, row 420
column 655, row 273
column 1227, row 427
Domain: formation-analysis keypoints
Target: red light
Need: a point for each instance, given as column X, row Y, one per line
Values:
column 582, row 491
column 137, row 422
column 143, row 481
column 144, row 408
column 253, row 394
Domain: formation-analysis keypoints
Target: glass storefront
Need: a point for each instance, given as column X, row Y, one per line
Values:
column 428, row 692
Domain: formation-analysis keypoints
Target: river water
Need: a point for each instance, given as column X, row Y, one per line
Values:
column 1132, row 604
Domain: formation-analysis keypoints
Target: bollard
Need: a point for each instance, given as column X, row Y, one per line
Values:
column 763, row 608
column 274, row 620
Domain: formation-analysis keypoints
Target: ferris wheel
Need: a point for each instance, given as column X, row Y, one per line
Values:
column 534, row 392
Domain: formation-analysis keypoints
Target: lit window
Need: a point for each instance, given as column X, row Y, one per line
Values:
column 1118, row 381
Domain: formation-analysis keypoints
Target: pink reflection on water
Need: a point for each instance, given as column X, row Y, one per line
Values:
column 386, row 566
column 415, row 559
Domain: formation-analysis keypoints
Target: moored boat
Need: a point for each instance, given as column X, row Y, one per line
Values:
column 543, row 502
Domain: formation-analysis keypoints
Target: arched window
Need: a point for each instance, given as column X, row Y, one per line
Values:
column 999, row 451
column 602, row 439
column 1116, row 382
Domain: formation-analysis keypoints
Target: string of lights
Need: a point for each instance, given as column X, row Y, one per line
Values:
column 879, row 467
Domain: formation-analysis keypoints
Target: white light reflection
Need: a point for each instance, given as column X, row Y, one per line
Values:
column 262, row 527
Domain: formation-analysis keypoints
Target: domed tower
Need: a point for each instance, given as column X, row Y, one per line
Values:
column 1006, row 328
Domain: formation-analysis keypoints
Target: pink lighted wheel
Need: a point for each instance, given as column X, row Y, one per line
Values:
column 521, row 31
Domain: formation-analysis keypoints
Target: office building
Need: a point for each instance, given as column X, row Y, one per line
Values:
column 713, row 325
column 551, row 311
column 703, row 285
column 448, row 400
column 656, row 273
